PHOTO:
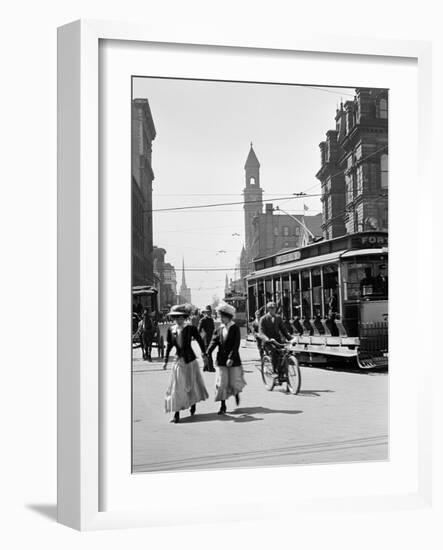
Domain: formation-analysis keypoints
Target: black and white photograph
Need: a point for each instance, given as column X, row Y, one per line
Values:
column 259, row 274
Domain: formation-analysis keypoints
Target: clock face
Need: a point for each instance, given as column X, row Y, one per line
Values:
column 372, row 222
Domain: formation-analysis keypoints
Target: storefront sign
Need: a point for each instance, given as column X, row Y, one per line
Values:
column 289, row 257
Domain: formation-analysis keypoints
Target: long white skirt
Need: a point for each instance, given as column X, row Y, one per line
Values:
column 229, row 381
column 186, row 386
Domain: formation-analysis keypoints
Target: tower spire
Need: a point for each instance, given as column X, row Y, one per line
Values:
column 183, row 273
column 185, row 292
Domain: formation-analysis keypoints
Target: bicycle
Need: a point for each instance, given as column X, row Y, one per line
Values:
column 288, row 370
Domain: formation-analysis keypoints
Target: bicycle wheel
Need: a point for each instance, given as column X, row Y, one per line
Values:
column 294, row 376
column 267, row 372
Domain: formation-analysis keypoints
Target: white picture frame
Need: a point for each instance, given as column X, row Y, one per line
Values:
column 79, row 390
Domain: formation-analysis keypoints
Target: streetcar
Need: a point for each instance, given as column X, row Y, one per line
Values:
column 238, row 300
column 333, row 294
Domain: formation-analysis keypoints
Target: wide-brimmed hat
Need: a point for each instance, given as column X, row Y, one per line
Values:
column 271, row 304
column 182, row 310
column 226, row 309
column 208, row 309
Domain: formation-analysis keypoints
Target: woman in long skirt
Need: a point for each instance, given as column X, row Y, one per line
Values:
column 186, row 386
column 229, row 379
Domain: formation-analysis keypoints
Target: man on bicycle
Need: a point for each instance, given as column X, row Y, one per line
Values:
column 271, row 330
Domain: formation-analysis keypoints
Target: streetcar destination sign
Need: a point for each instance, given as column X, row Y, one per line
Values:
column 289, row 257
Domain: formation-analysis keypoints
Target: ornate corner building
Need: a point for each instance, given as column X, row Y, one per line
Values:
column 354, row 166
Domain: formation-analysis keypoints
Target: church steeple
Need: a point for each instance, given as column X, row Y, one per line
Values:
column 185, row 292
column 183, row 274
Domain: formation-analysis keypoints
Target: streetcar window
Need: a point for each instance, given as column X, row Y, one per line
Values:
column 316, row 292
column 286, row 299
column 365, row 280
column 330, row 289
column 252, row 300
column 261, row 295
column 268, row 291
column 296, row 298
column 277, row 290
column 306, row 295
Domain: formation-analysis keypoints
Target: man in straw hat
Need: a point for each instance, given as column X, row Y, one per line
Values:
column 229, row 379
column 271, row 330
column 206, row 329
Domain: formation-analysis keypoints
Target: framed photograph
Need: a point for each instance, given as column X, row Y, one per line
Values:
column 235, row 272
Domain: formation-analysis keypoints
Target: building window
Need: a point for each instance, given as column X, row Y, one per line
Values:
column 384, row 171
column 275, row 230
column 252, row 181
column 359, row 180
column 285, row 231
column 349, row 189
column 383, row 108
column 296, row 230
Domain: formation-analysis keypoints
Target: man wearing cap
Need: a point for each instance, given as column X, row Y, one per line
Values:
column 271, row 330
column 206, row 330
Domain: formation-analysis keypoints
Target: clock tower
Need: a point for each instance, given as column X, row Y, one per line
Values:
column 253, row 204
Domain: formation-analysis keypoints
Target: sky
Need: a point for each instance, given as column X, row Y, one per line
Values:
column 204, row 131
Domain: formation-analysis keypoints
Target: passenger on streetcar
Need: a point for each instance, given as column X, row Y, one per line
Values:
column 381, row 283
column 367, row 284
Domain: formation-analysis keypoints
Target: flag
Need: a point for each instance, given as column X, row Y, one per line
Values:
column 305, row 207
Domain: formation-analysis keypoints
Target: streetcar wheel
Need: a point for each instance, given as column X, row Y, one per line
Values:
column 294, row 376
column 267, row 372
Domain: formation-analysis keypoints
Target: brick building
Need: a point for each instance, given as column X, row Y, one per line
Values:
column 143, row 133
column 270, row 231
column 354, row 166
column 170, row 285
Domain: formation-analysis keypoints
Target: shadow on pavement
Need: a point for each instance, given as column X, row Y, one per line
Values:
column 264, row 410
column 314, row 393
column 212, row 417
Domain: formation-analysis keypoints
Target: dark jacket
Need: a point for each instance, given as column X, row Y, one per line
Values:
column 227, row 349
column 272, row 327
column 207, row 325
column 189, row 333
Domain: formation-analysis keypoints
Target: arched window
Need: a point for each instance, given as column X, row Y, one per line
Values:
column 251, row 181
column 384, row 171
column 383, row 108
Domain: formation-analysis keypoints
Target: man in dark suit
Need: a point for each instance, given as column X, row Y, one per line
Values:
column 271, row 330
column 206, row 330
